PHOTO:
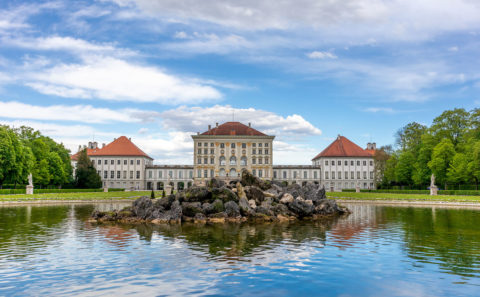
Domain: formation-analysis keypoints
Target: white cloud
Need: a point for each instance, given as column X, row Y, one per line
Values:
column 180, row 35
column 368, row 19
column 321, row 55
column 75, row 113
column 379, row 109
column 453, row 49
column 119, row 80
column 209, row 43
column 198, row 118
column 142, row 131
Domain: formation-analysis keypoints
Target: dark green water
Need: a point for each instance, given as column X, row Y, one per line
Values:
column 376, row 251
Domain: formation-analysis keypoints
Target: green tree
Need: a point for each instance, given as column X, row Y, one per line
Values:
column 86, row 175
column 421, row 172
column 474, row 164
column 458, row 172
column 410, row 136
column 56, row 169
column 7, row 154
column 404, row 168
column 389, row 176
column 441, row 157
column 380, row 158
column 451, row 124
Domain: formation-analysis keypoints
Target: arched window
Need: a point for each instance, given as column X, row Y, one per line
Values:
column 222, row 161
column 233, row 160
column 222, row 172
column 243, row 161
column 233, row 172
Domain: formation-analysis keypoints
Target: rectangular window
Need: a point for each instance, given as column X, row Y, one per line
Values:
column 254, row 161
column 232, row 145
column 254, row 144
column 266, row 152
column 170, row 174
column 105, row 174
column 199, row 144
column 259, row 151
column 364, row 163
column 259, row 145
column 199, row 173
column 254, row 151
column 351, row 163
column 124, row 162
column 205, row 160
column 244, row 145
column 211, row 173
column 131, row 162
column 346, row 174
column 326, row 174
column 180, row 174
column 339, row 162
column 266, row 144
column 345, row 163
column 211, row 144
column 339, row 175
column 260, row 160
column 260, row 173
column 150, row 173
column 138, row 162
column 315, row 175
column 333, row 174
column 371, row 174
column 284, row 174
column 199, row 160
column 99, row 162
column 112, row 174
column 358, row 163
column 118, row 162
column 364, row 175
column 274, row 174
column 205, row 144
column 119, row 174
column 138, row 174
column 352, row 175
column 305, row 174
column 160, row 174
column 199, row 151
column 212, row 160
column 124, row 174
column 106, row 162
column 205, row 173
column 326, row 162
column 266, row 160
column 112, row 162
column 371, row 163
column 212, row 151
column 222, row 145
column 254, row 172
column 190, row 174
column 205, row 151
column 131, row 174
column 358, row 174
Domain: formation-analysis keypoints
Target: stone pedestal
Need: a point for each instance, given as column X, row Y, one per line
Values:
column 105, row 189
column 29, row 190
column 168, row 190
column 357, row 189
column 433, row 191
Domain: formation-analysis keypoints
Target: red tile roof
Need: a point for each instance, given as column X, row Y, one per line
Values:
column 371, row 152
column 233, row 128
column 75, row 156
column 343, row 147
column 121, row 146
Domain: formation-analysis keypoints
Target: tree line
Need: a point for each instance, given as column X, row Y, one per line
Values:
column 24, row 150
column 449, row 148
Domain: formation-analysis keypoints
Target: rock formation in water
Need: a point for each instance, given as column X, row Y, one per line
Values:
column 249, row 198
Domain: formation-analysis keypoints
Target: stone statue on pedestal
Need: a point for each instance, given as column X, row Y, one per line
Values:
column 30, row 185
column 357, row 187
column 433, row 187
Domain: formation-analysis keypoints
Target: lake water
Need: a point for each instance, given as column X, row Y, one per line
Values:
column 376, row 251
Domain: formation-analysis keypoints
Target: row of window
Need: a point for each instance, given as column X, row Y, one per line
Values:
column 170, row 174
column 347, row 185
column 296, row 174
column 119, row 162
column 345, row 175
column 212, row 151
column 232, row 173
column 232, row 145
column 119, row 174
column 233, row 160
column 339, row 162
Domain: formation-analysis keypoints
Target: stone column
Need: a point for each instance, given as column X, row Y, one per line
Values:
column 433, row 191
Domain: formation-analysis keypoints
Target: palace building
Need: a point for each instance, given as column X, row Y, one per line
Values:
column 223, row 152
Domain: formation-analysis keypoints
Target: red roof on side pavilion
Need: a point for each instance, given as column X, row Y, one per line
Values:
column 343, row 147
column 233, row 128
column 75, row 156
column 121, row 146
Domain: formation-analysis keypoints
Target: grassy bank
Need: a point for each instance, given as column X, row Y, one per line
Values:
column 79, row 196
column 406, row 197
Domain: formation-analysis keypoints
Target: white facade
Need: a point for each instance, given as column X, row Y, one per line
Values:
column 178, row 176
column 299, row 174
column 346, row 172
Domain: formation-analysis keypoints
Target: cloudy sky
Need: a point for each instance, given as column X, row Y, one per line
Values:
column 304, row 70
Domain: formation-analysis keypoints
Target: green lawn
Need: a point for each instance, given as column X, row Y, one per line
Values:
column 79, row 196
column 411, row 197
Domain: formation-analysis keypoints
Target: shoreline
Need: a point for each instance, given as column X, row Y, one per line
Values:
column 436, row 203
column 53, row 202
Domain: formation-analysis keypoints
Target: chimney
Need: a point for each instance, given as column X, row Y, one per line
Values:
column 95, row 145
column 250, row 125
column 130, row 138
column 89, row 144
column 79, row 148
column 209, row 127
column 216, row 124
column 374, row 146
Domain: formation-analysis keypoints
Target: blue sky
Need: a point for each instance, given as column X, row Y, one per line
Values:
column 305, row 71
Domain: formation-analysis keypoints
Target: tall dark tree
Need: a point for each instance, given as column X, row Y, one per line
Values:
column 86, row 176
